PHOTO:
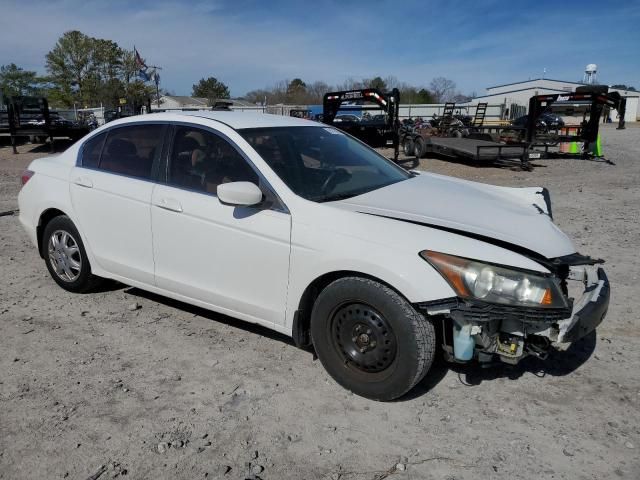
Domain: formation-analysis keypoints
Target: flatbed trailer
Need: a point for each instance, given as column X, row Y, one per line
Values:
column 477, row 150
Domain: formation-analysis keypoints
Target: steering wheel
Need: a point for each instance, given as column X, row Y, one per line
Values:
column 331, row 178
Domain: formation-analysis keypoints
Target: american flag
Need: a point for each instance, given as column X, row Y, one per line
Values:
column 142, row 66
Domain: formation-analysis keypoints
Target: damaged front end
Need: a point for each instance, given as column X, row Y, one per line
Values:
column 488, row 330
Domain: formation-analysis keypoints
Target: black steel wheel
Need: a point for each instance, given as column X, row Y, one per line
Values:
column 363, row 337
column 370, row 339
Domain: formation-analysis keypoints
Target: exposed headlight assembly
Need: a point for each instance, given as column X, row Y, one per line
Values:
column 481, row 281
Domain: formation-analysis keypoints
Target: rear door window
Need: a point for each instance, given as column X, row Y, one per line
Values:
column 91, row 151
column 132, row 150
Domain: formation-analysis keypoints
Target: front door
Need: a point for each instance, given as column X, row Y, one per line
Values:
column 235, row 259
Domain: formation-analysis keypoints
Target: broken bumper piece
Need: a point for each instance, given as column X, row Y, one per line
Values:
column 591, row 309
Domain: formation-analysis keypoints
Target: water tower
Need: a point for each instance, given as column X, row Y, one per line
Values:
column 590, row 74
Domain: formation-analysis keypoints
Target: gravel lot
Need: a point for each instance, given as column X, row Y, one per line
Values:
column 152, row 388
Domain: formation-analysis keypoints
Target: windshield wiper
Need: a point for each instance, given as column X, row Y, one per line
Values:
column 339, row 196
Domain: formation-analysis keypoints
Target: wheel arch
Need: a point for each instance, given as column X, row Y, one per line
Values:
column 45, row 217
column 302, row 316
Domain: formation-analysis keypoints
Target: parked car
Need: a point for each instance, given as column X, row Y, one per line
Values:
column 55, row 120
column 546, row 121
column 303, row 229
column 347, row 117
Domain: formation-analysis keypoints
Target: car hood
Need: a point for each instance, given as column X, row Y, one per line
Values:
column 516, row 216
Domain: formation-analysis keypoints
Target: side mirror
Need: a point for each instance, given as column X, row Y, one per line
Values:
column 239, row 193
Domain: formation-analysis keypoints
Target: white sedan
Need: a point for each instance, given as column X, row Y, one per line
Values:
column 303, row 229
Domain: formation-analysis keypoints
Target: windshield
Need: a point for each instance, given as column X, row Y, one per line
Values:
column 321, row 163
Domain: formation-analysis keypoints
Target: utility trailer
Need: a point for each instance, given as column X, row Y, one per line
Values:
column 374, row 130
column 477, row 150
column 450, row 138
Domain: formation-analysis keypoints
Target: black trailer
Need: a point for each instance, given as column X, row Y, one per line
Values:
column 30, row 117
column 374, row 130
column 589, row 102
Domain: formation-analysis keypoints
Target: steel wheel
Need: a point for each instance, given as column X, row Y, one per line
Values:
column 370, row 339
column 64, row 256
column 363, row 337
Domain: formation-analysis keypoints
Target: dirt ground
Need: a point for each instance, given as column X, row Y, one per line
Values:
column 126, row 384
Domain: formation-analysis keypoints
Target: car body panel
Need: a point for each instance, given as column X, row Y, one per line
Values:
column 120, row 236
column 467, row 206
column 233, row 257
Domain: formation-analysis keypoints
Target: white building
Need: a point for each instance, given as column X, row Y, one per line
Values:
column 177, row 102
column 519, row 93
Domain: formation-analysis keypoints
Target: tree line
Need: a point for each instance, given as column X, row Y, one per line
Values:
column 82, row 71
column 87, row 72
column 297, row 91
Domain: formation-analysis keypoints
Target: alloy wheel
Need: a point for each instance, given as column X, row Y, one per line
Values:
column 64, row 255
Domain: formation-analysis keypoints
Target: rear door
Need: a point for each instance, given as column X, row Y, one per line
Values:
column 233, row 258
column 111, row 191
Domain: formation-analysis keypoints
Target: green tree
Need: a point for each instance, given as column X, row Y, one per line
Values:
column 71, row 62
column 425, row 96
column 377, row 82
column 17, row 81
column 211, row 89
column 296, row 91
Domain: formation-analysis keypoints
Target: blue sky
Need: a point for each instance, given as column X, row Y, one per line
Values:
column 251, row 44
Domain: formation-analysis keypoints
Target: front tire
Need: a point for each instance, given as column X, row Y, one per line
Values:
column 370, row 339
column 66, row 257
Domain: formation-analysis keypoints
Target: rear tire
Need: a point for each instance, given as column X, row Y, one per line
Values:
column 407, row 146
column 66, row 257
column 370, row 339
column 418, row 147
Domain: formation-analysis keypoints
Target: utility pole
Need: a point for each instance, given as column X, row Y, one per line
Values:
column 156, row 80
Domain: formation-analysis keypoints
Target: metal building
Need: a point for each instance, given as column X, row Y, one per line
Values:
column 519, row 93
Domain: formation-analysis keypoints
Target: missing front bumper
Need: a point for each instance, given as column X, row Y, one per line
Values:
column 512, row 333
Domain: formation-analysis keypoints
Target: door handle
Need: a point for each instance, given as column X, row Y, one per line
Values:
column 83, row 182
column 169, row 204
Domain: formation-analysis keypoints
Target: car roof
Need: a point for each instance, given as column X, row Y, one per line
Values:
column 233, row 119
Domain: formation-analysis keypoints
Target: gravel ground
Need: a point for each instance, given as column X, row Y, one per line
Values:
column 122, row 383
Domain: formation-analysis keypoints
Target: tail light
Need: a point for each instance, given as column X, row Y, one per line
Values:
column 26, row 176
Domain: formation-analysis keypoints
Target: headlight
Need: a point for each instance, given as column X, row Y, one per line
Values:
column 481, row 281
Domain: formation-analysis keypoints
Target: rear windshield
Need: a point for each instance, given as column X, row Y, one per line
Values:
column 321, row 163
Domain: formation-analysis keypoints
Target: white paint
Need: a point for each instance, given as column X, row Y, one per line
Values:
column 255, row 264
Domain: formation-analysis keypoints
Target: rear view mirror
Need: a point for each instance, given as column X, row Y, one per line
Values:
column 239, row 193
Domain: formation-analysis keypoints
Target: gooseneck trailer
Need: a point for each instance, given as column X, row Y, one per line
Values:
column 375, row 130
